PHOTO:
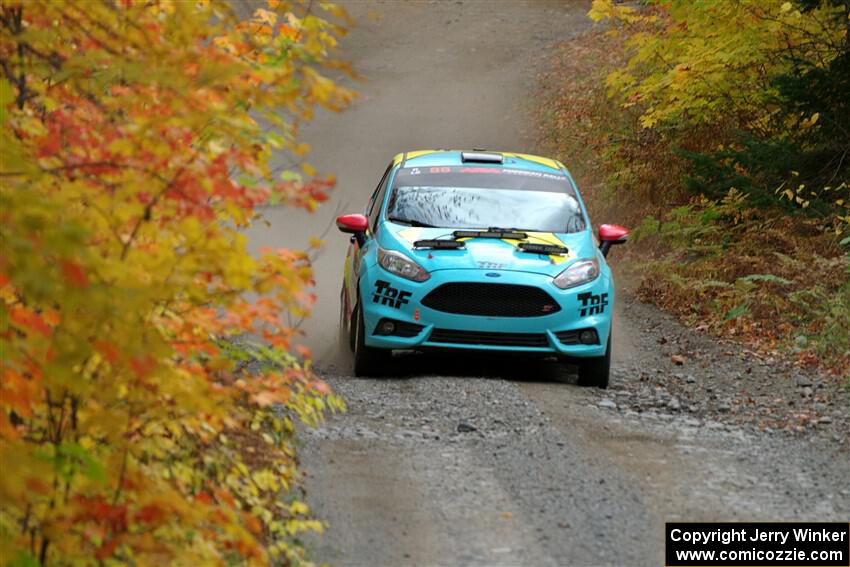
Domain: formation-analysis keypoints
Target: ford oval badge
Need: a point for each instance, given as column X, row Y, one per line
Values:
column 493, row 275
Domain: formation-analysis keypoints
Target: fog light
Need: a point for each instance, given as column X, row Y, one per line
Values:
column 386, row 327
column 588, row 337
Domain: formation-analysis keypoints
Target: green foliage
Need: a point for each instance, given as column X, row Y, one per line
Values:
column 729, row 269
column 736, row 312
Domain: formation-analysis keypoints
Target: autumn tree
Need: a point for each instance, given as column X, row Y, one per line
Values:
column 146, row 405
column 727, row 125
column 752, row 91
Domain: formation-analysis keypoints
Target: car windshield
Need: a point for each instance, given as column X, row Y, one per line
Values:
column 484, row 197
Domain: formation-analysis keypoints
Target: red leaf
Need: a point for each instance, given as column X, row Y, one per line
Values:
column 108, row 350
column 106, row 549
column 74, row 274
column 150, row 514
column 142, row 365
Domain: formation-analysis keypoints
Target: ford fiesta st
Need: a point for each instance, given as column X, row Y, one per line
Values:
column 482, row 251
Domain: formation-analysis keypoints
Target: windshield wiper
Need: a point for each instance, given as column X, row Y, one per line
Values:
column 411, row 222
column 547, row 249
column 439, row 244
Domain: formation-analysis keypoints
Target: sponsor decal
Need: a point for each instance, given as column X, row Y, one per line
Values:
column 527, row 173
column 385, row 294
column 491, row 266
column 592, row 304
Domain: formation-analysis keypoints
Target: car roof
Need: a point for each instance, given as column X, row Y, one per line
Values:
column 427, row 158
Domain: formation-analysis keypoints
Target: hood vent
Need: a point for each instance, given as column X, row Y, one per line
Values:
column 481, row 157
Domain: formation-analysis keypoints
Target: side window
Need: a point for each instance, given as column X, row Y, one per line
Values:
column 378, row 198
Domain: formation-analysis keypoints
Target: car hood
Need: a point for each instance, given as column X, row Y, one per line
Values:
column 488, row 253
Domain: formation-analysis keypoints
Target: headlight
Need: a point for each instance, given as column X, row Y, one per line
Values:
column 579, row 273
column 402, row 266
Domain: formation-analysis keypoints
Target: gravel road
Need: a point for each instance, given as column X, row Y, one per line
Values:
column 459, row 460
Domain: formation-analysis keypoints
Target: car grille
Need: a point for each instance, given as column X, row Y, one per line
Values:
column 489, row 339
column 492, row 300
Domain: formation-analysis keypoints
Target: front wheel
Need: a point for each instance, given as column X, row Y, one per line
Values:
column 594, row 371
column 368, row 361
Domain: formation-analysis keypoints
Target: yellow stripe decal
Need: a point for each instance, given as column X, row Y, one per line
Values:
column 410, row 234
column 536, row 159
column 535, row 238
column 414, row 154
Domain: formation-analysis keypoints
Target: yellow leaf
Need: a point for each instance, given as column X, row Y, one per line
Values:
column 298, row 507
column 265, row 16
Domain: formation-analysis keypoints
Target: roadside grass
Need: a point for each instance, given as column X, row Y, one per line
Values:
column 778, row 282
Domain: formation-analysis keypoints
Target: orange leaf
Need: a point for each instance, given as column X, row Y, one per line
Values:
column 27, row 319
column 51, row 316
column 304, row 351
column 265, row 399
column 224, row 496
column 252, row 523
column 7, row 430
column 37, row 485
column 287, row 31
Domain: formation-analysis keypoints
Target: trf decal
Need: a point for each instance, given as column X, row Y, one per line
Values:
column 388, row 295
column 592, row 304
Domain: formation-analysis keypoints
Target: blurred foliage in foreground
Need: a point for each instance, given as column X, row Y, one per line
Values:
column 722, row 129
column 136, row 140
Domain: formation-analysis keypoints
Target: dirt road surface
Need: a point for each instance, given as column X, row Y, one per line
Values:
column 477, row 461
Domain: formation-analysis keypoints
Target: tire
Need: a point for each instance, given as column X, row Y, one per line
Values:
column 368, row 361
column 346, row 329
column 593, row 372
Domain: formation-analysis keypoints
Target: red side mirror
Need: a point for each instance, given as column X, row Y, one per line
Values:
column 611, row 234
column 353, row 223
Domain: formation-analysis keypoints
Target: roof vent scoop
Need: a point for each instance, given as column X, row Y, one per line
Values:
column 481, row 157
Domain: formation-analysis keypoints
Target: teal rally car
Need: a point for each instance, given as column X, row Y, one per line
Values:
column 478, row 250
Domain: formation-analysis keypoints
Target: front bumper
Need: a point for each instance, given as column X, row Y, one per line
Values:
column 386, row 296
